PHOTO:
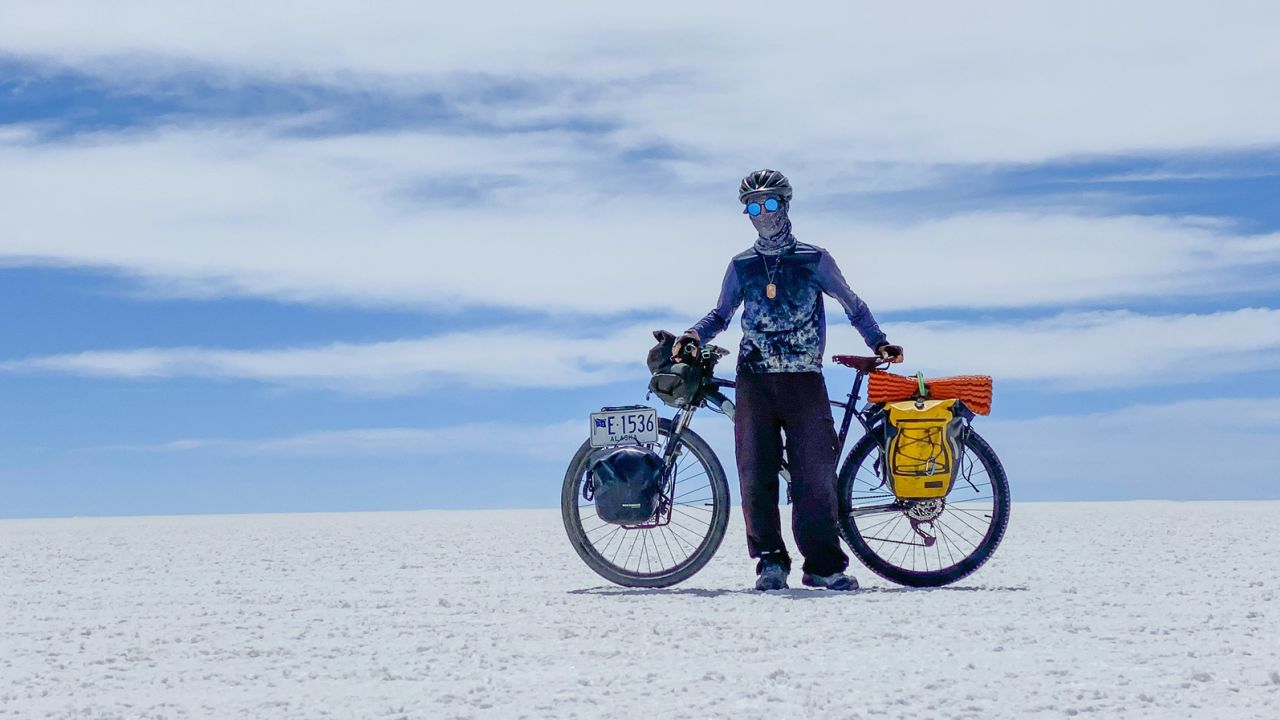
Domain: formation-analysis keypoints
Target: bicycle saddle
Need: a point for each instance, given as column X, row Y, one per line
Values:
column 857, row 362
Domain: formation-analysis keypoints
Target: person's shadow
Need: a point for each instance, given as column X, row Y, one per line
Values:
column 791, row 594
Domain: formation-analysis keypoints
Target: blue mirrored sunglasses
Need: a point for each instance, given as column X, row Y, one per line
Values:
column 770, row 205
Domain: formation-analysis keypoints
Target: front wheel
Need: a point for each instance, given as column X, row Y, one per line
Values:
column 924, row 543
column 661, row 553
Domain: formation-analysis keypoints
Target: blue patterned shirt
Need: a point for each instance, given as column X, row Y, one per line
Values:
column 787, row 333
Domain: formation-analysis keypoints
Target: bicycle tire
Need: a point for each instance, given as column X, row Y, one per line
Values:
column 680, row 572
column 936, row 578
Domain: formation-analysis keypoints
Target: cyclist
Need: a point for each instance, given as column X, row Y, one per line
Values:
column 780, row 387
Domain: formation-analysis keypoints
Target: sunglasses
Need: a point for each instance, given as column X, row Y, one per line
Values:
column 770, row 205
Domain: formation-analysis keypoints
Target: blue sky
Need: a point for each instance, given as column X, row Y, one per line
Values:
column 394, row 264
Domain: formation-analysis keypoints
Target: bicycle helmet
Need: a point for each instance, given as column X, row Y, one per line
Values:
column 765, row 181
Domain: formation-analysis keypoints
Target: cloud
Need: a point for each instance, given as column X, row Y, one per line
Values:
column 540, row 441
column 1199, row 449
column 505, row 357
column 1091, row 350
column 1068, row 351
column 819, row 87
column 583, row 149
column 536, row 221
column 1175, row 175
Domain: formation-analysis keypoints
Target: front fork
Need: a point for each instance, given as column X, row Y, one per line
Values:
column 679, row 423
column 670, row 457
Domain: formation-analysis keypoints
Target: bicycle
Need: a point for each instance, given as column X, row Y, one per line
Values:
column 941, row 541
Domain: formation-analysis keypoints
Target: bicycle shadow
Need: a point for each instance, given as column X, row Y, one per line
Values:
column 947, row 588
column 794, row 593
column 791, row 593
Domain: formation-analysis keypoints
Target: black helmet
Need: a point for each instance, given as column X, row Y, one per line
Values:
column 770, row 181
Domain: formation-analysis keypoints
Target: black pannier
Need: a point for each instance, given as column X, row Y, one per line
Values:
column 674, row 383
column 627, row 482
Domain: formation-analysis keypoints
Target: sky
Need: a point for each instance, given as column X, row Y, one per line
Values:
column 309, row 257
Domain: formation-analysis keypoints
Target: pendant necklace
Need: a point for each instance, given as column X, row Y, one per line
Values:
column 771, row 290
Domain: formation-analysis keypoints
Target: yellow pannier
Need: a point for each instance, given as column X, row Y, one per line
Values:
column 922, row 447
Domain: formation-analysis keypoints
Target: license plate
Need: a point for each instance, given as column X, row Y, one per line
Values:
column 614, row 426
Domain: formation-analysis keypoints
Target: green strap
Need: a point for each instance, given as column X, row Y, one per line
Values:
column 924, row 392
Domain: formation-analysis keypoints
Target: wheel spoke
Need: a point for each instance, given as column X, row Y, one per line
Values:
column 614, row 558
column 608, row 539
column 973, row 545
column 663, row 533
column 896, row 522
column 961, row 520
column 972, row 513
column 949, row 546
column 630, row 551
column 694, row 490
column 599, row 527
column 877, row 527
column 691, row 532
column 686, row 514
column 681, row 540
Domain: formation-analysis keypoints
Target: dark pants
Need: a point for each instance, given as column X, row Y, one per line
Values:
column 796, row 403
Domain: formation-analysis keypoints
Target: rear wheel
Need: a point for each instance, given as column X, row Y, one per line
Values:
column 664, row 553
column 924, row 543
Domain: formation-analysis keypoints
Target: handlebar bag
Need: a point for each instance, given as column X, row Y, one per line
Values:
column 923, row 447
column 627, row 482
column 674, row 383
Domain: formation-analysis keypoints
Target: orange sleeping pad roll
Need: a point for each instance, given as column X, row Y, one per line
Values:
column 974, row 390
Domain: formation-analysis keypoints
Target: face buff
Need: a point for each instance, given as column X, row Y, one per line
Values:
column 774, row 229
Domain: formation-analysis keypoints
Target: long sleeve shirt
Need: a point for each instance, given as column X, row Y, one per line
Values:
column 786, row 333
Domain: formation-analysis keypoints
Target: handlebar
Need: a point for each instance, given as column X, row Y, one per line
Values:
column 692, row 351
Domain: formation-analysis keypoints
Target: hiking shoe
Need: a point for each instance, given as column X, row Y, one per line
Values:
column 836, row 581
column 772, row 576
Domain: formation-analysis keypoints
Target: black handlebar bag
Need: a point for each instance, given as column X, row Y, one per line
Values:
column 675, row 383
column 627, row 482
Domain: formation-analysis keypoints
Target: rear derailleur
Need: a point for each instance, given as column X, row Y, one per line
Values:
column 921, row 513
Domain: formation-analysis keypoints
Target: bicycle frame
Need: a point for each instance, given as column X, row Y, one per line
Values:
column 712, row 397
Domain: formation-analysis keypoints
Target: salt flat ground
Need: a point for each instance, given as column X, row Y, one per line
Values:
column 1114, row 610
